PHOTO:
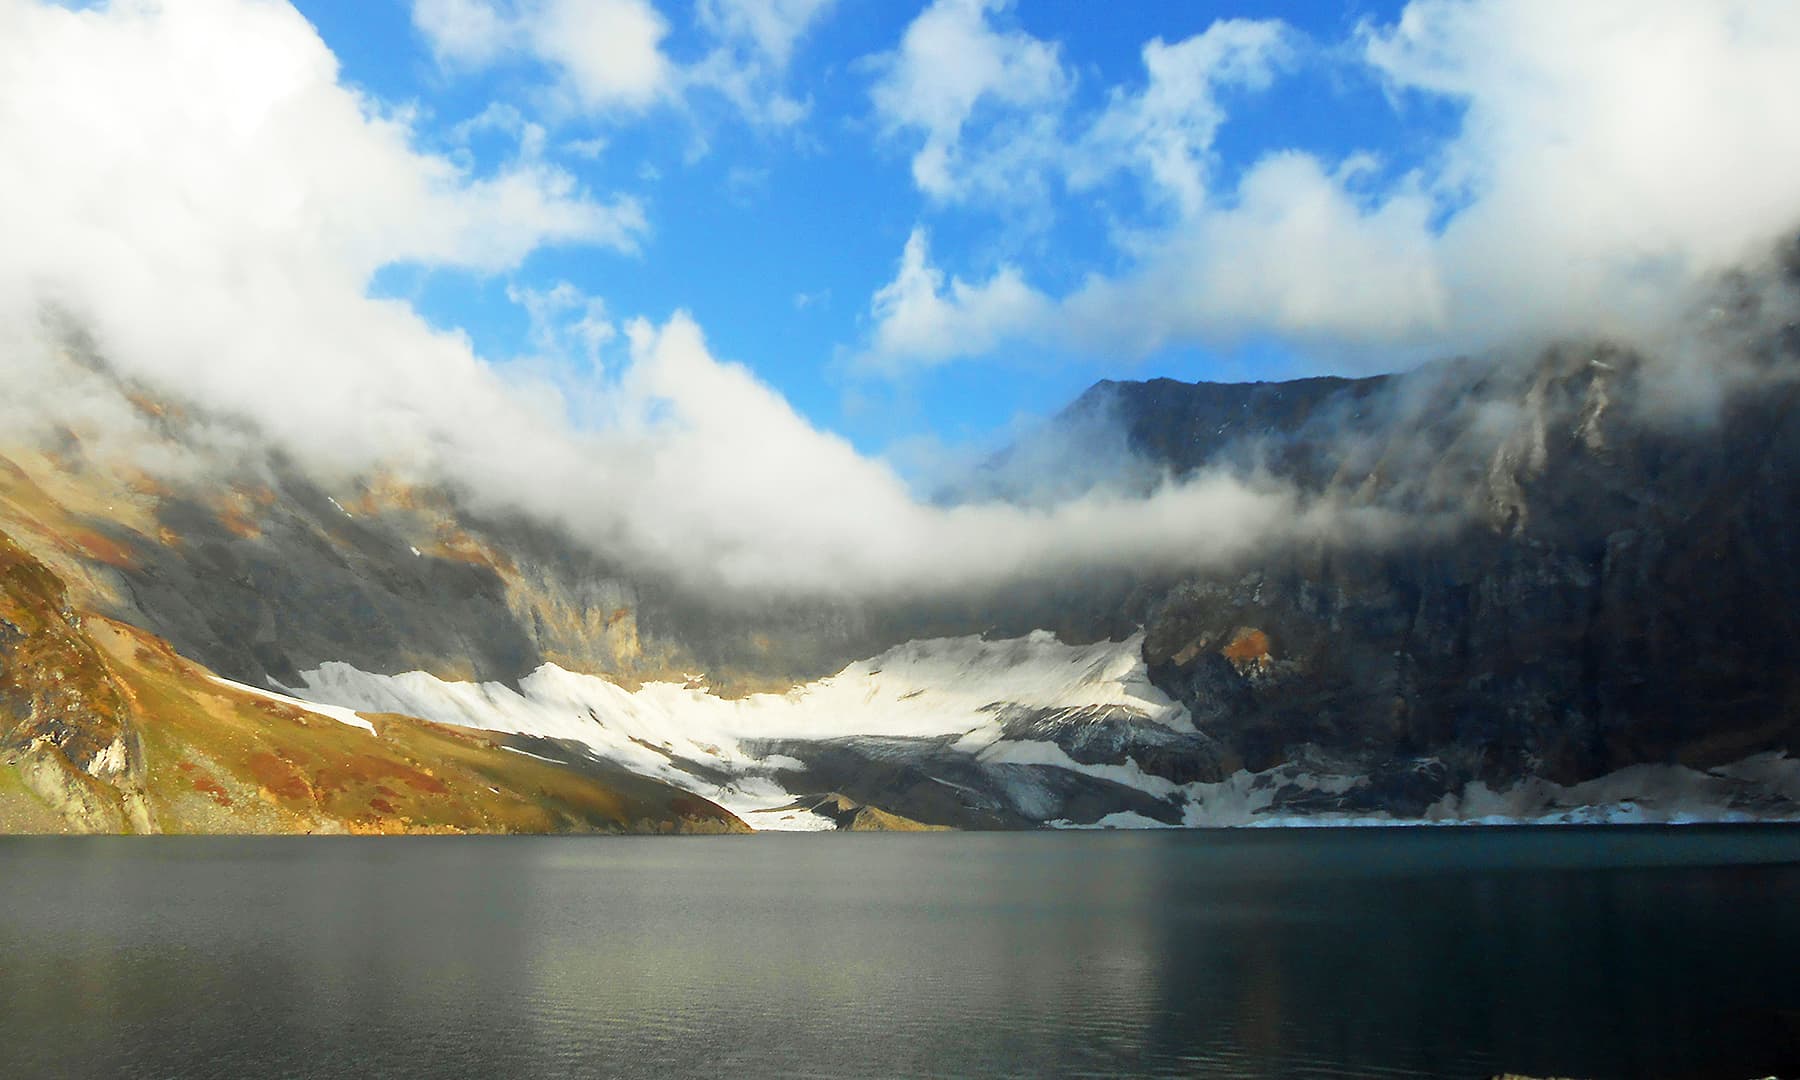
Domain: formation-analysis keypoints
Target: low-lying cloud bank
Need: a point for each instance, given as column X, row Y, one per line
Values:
column 194, row 189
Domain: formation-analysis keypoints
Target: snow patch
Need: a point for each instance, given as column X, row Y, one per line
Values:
column 529, row 754
column 1119, row 819
column 340, row 714
column 1035, row 752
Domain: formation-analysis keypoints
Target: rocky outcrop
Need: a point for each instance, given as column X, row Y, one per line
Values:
column 64, row 717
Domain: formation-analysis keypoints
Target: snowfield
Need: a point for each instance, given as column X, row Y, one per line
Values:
column 679, row 732
column 959, row 691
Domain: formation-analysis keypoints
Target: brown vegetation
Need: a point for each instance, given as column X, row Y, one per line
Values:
column 106, row 727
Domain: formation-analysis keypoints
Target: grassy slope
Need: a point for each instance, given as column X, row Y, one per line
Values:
column 194, row 755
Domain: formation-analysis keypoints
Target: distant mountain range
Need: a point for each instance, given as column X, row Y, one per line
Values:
column 1563, row 586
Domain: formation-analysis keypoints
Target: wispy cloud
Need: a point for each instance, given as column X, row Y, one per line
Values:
column 610, row 57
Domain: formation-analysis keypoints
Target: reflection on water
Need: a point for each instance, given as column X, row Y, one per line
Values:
column 1309, row 953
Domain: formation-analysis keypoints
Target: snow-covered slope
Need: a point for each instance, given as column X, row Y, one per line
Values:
column 1763, row 787
column 1019, row 731
column 961, row 690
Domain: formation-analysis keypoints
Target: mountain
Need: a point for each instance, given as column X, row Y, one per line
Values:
column 1605, row 590
column 106, row 728
column 1548, row 586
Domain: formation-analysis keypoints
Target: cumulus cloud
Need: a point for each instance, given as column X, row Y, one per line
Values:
column 208, row 129
column 1296, row 254
column 609, row 49
column 193, row 185
column 1611, row 157
column 952, row 62
column 988, row 105
column 920, row 317
column 1610, row 163
column 607, row 53
column 473, row 33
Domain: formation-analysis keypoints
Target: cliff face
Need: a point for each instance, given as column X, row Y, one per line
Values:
column 1586, row 585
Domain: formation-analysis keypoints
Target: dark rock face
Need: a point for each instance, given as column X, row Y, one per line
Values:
column 928, row 781
column 922, row 779
column 1185, row 426
column 1590, row 585
column 314, row 583
column 1114, row 735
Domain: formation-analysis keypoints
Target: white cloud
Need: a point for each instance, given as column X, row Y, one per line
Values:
column 752, row 44
column 1295, row 254
column 194, row 183
column 611, row 50
column 587, row 149
column 918, row 318
column 607, row 54
column 506, row 120
column 566, row 323
column 1612, row 156
column 1609, row 163
column 470, row 33
column 1167, row 128
column 989, row 106
column 952, row 63
column 768, row 27
column 724, row 480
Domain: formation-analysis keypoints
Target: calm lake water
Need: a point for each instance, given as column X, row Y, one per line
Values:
column 1384, row 952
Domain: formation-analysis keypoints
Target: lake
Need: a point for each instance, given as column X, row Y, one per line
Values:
column 1293, row 953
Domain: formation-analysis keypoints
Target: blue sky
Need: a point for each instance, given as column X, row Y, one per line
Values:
column 776, row 237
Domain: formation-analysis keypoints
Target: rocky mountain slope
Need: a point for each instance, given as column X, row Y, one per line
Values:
column 1590, row 587
column 1547, row 586
column 105, row 728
